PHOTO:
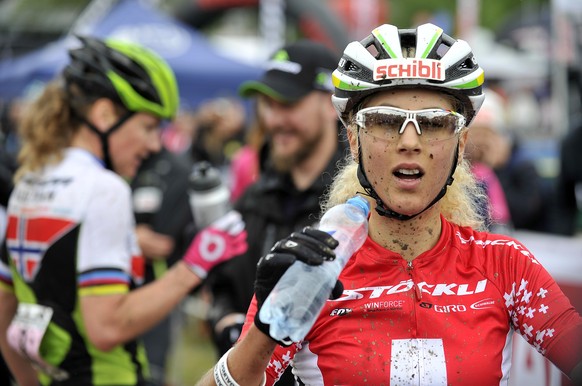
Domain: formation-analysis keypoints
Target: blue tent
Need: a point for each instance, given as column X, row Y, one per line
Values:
column 202, row 72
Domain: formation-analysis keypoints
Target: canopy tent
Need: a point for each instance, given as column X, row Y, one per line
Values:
column 202, row 73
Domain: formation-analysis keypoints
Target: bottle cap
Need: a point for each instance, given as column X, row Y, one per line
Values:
column 361, row 203
column 204, row 177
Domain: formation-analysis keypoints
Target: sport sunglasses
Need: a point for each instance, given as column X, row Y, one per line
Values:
column 388, row 123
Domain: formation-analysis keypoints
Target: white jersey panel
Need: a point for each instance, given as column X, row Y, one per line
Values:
column 81, row 191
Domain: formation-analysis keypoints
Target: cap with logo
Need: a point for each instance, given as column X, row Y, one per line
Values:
column 294, row 71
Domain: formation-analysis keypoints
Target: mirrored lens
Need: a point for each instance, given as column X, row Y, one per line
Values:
column 389, row 122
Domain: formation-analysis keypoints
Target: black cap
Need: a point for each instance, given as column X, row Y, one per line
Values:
column 294, row 71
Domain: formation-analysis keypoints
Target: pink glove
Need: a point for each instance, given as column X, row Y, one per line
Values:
column 222, row 240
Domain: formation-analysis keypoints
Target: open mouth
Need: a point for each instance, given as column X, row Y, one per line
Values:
column 408, row 174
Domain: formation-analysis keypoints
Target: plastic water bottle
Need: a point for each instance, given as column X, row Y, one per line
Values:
column 299, row 296
column 209, row 196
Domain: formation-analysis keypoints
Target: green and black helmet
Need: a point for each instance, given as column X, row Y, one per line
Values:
column 127, row 73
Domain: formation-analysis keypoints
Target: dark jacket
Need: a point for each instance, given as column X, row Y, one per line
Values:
column 568, row 184
column 527, row 196
column 165, row 176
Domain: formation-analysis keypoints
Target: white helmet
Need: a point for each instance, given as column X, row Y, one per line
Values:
column 422, row 57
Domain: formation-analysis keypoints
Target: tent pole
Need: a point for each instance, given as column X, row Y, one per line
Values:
column 93, row 13
column 272, row 23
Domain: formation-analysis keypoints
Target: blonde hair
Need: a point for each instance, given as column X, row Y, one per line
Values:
column 45, row 130
column 459, row 205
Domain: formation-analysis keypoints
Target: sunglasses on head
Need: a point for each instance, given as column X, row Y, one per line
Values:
column 385, row 122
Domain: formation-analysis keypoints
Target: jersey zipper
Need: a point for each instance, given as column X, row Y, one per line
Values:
column 416, row 294
column 417, row 291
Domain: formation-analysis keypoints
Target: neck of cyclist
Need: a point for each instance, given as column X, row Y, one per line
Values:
column 409, row 238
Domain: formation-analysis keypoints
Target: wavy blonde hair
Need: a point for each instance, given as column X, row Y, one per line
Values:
column 459, row 205
column 45, row 130
column 49, row 125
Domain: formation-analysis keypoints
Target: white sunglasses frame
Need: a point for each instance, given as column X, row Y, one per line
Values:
column 410, row 117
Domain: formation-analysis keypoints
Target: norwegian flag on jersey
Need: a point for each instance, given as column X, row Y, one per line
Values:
column 28, row 240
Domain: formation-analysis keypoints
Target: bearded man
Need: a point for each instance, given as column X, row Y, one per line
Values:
column 302, row 150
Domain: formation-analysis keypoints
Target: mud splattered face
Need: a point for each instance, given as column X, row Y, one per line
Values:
column 407, row 169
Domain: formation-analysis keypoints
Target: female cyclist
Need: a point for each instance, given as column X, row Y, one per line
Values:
column 69, row 314
column 429, row 299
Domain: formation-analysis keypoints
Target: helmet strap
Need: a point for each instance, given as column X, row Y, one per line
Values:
column 382, row 208
column 104, row 136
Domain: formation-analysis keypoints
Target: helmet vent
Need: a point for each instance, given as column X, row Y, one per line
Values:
column 133, row 71
column 374, row 47
column 373, row 50
column 351, row 67
column 408, row 39
column 442, row 49
column 468, row 64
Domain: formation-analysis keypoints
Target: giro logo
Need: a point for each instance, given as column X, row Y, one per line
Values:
column 485, row 303
column 444, row 309
column 450, row 309
column 408, row 68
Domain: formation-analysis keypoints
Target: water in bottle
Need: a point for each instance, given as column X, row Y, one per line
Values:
column 298, row 297
column 209, row 196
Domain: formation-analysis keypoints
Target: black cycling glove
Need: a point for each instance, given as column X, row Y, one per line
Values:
column 310, row 246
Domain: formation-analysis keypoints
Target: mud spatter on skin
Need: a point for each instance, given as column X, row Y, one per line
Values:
column 403, row 246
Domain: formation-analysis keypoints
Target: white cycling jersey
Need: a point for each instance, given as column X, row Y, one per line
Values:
column 70, row 234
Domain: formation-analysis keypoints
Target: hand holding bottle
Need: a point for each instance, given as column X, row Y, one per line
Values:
column 310, row 246
column 293, row 305
column 222, row 240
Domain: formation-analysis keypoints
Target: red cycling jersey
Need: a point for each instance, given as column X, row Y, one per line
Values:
column 447, row 318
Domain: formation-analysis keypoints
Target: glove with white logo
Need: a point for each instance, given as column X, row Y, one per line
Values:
column 222, row 240
column 310, row 246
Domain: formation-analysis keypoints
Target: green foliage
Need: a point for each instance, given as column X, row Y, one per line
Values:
column 34, row 15
column 193, row 354
column 408, row 13
column 493, row 13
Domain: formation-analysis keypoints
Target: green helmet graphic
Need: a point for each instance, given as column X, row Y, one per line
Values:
column 128, row 73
